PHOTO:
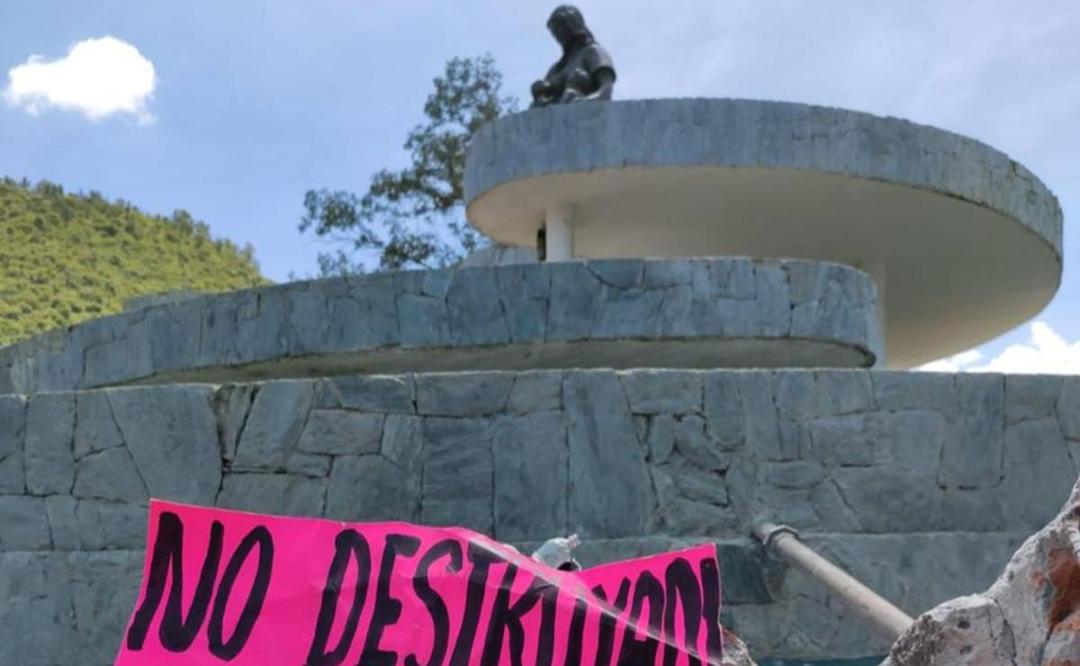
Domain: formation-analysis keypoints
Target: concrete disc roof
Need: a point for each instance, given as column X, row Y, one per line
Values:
column 965, row 241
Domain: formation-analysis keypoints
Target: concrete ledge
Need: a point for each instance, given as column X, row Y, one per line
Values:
column 965, row 243
column 754, row 133
column 616, row 313
column 921, row 484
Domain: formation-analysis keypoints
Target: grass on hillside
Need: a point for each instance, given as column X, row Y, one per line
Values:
column 65, row 258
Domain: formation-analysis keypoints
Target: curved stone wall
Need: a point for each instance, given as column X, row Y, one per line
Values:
column 625, row 313
column 578, row 138
column 920, row 484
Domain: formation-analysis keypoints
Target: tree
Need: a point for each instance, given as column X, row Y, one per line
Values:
column 414, row 218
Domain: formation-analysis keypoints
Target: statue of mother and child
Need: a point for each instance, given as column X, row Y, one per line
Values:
column 585, row 71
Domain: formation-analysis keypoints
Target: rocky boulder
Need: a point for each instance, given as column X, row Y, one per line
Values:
column 1031, row 615
column 735, row 651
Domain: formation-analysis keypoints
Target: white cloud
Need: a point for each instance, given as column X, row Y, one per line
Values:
column 1044, row 352
column 97, row 77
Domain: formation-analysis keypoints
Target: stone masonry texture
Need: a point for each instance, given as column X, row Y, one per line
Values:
column 922, row 485
column 575, row 138
column 452, row 317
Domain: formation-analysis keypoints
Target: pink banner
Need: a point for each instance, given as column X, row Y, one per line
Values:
column 240, row 588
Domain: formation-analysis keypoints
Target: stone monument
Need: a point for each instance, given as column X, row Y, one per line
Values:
column 731, row 293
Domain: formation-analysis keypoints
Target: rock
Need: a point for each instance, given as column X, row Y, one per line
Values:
column 660, row 438
column 700, row 485
column 1031, row 615
column 499, row 255
column 886, row 498
column 278, row 494
column 108, row 526
column 368, row 315
column 422, row 320
column 63, row 524
column 622, row 313
column 913, row 390
column 171, row 433
column 13, row 473
column 536, row 391
column 463, row 394
column 403, row 442
column 375, row 393
column 663, row 391
column 973, row 454
column 125, row 358
column 531, row 477
column 724, row 410
column 849, row 441
column 773, row 299
column 338, row 432
column 39, row 623
column 173, row 334
column 693, row 518
column 371, row 488
column 104, row 589
column 109, row 475
column 735, row 651
column 270, row 441
column 793, row 475
column 690, row 440
column 610, row 490
column 50, row 453
column 760, row 420
column 523, row 291
column 1039, row 470
column 306, row 317
column 23, row 524
column 95, row 426
column 618, row 273
column 575, row 296
column 1068, row 408
column 233, row 404
column 735, row 279
column 667, row 274
column 841, row 392
column 832, row 511
column 458, row 473
column 1030, row 397
column 12, row 438
column 914, row 439
column 475, row 310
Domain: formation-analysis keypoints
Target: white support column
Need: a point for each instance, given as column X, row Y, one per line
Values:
column 560, row 233
column 876, row 271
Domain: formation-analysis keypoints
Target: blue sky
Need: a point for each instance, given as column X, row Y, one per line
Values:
column 255, row 102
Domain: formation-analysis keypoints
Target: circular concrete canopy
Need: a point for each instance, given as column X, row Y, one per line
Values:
column 965, row 241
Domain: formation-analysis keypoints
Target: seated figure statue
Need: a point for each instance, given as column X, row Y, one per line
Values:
column 585, row 71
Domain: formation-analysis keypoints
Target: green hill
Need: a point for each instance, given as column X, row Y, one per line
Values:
column 65, row 258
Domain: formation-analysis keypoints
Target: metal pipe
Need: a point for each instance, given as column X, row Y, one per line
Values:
column 784, row 541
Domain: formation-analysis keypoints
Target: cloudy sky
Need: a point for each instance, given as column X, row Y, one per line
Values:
column 232, row 110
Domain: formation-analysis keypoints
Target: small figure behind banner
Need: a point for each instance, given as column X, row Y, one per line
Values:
column 585, row 71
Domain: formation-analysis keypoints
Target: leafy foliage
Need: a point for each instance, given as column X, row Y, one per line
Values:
column 65, row 258
column 413, row 218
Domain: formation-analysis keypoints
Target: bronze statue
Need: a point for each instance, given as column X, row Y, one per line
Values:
column 585, row 71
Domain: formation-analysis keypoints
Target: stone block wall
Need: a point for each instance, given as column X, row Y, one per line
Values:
column 720, row 312
column 920, row 484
